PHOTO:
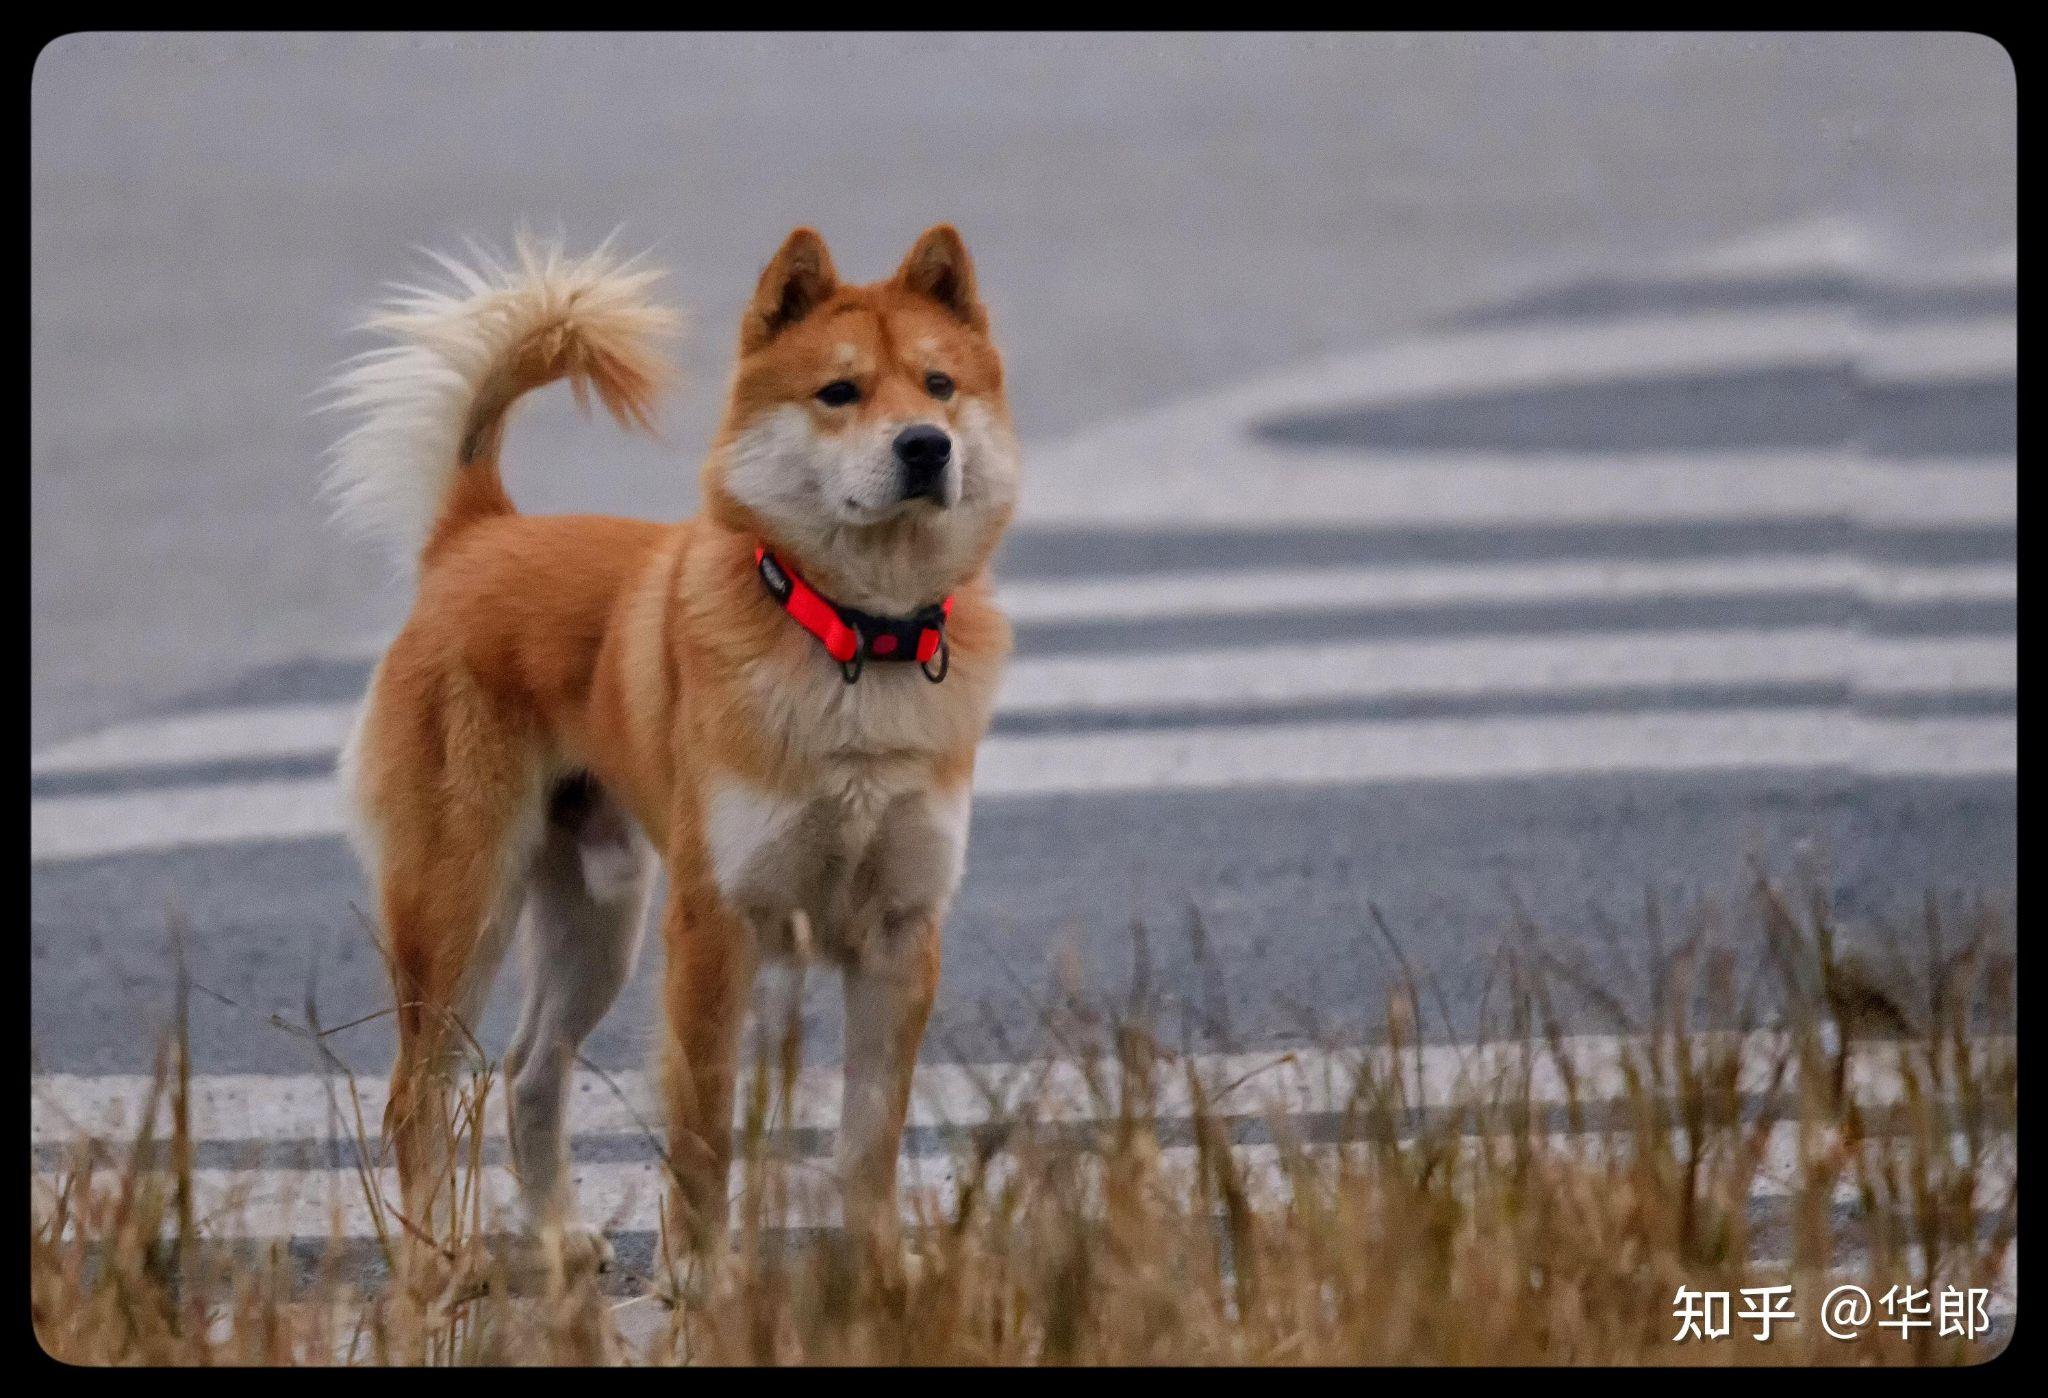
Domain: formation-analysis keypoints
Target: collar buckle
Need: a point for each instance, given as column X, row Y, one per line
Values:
column 853, row 637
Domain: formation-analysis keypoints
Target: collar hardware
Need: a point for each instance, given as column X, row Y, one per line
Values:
column 854, row 637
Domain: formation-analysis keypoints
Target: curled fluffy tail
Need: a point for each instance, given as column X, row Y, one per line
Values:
column 424, row 456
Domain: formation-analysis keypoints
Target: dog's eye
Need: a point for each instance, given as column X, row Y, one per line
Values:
column 838, row 393
column 938, row 386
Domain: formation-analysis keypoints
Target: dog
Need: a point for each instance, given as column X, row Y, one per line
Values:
column 778, row 700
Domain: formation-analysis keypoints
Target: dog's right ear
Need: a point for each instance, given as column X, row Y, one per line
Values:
column 796, row 280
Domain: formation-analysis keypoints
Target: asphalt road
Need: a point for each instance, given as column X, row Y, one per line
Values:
column 1467, row 479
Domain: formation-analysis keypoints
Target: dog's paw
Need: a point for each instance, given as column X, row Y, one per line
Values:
column 579, row 1251
column 585, row 1250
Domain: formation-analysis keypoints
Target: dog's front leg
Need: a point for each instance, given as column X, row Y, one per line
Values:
column 711, row 963
column 890, row 985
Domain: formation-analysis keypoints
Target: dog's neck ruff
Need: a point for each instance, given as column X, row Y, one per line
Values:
column 853, row 637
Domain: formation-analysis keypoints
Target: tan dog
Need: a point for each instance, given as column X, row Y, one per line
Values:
column 780, row 698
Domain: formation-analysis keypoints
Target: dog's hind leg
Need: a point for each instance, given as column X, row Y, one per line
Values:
column 586, row 906
column 453, row 789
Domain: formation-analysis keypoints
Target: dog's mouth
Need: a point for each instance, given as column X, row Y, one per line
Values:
column 857, row 512
column 854, row 511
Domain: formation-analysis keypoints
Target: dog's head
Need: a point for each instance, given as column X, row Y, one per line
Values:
column 867, row 436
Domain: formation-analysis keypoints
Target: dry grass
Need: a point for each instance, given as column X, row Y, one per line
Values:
column 1523, row 1213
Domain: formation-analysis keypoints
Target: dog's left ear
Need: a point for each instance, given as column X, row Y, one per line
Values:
column 939, row 268
column 797, row 280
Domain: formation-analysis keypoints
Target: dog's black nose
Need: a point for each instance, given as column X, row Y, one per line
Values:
column 924, row 451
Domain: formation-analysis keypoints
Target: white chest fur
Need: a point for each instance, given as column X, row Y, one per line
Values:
column 870, row 843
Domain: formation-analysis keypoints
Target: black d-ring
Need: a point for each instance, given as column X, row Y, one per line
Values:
column 849, row 670
column 945, row 659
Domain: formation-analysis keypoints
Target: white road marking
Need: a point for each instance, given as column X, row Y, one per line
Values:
column 274, row 1201
column 1825, row 244
column 1197, row 476
column 289, row 730
column 1358, row 753
column 80, row 827
column 1152, row 596
column 1509, row 666
column 1937, row 494
column 1194, row 462
column 1830, row 244
column 281, row 730
column 1289, row 754
column 1923, row 351
column 255, row 1107
column 628, row 1196
column 1554, row 353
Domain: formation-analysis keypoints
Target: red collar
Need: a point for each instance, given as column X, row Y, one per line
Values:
column 853, row 637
